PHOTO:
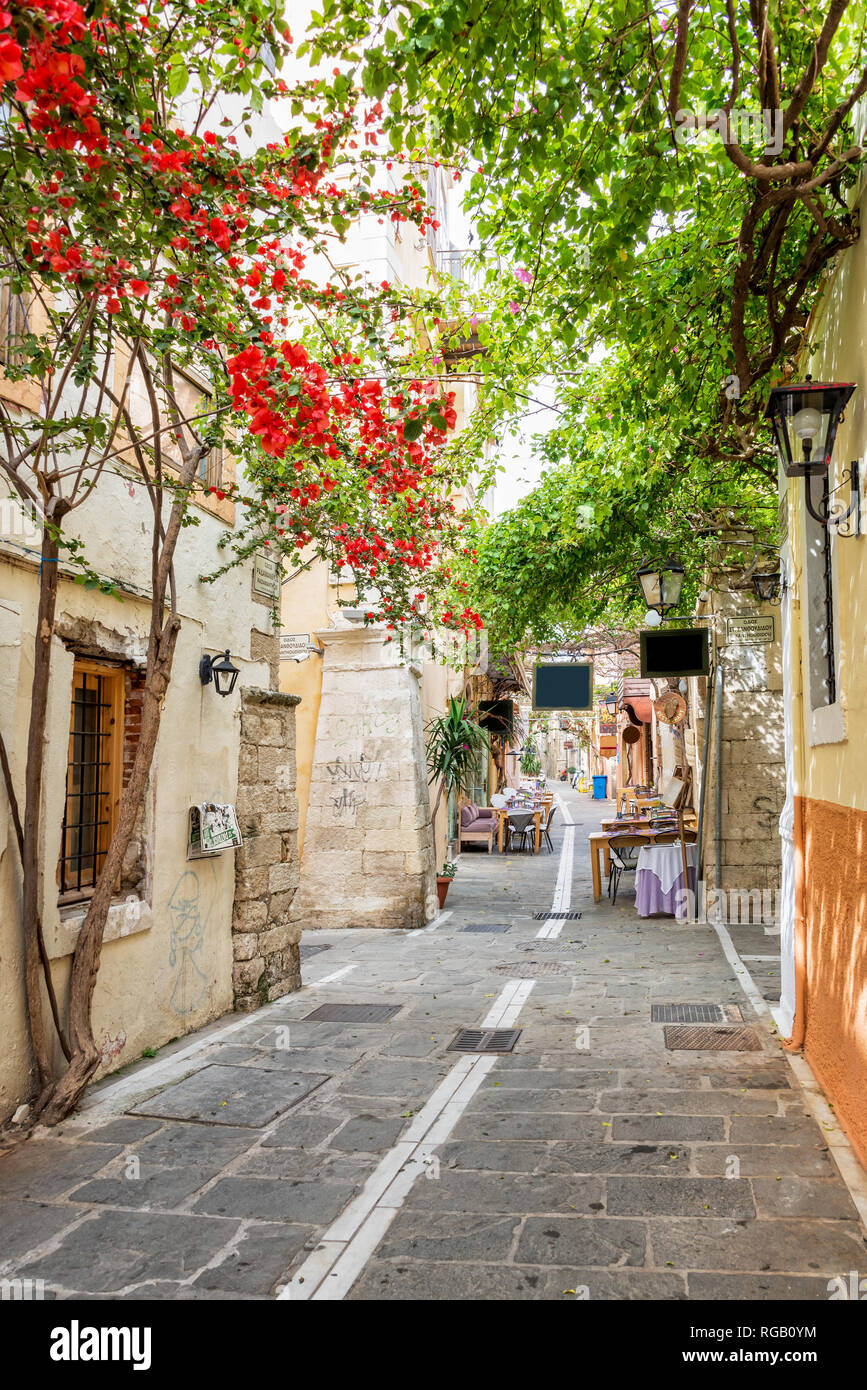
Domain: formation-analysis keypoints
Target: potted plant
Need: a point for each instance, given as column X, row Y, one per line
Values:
column 454, row 742
column 444, row 878
column 531, row 763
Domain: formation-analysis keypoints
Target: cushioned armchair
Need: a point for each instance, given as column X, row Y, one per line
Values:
column 477, row 823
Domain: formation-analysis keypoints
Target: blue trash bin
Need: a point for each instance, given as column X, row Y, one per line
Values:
column 600, row 788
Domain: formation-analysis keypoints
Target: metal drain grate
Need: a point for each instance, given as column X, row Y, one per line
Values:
column 352, row 1013
column 687, row 1013
column 487, row 926
column 485, row 1040
column 530, row 969
column 556, row 916
column 712, row 1040
column 306, row 951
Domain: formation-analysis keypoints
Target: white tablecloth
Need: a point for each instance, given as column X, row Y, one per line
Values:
column 666, row 862
column 659, row 879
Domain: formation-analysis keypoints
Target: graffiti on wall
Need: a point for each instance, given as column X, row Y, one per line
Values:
column 374, row 724
column 189, row 909
column 348, row 778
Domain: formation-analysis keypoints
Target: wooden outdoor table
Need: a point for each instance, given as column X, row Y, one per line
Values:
column 611, row 823
column 598, row 839
column 503, row 813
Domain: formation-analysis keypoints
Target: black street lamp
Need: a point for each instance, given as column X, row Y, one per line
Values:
column 661, row 584
column 805, row 417
column 221, row 671
column 767, row 586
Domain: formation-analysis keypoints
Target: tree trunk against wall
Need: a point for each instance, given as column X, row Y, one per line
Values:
column 33, row 779
column 56, row 1098
column 62, row 1096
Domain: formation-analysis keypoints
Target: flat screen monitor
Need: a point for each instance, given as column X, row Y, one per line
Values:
column 681, row 651
column 566, row 685
column 497, row 716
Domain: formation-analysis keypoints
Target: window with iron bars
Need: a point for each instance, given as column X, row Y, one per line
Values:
column 93, row 776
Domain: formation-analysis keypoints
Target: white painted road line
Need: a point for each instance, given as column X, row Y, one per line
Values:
column 332, row 1269
column 563, row 888
column 329, row 979
column 747, row 984
column 431, row 926
column 505, row 1012
column 172, row 1068
column 179, row 1064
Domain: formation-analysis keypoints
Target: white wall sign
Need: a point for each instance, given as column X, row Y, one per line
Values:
column 294, row 646
column 266, row 576
column 754, row 631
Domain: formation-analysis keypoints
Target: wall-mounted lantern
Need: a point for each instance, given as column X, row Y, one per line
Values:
column 661, row 584
column 805, row 416
column 767, row 586
column 220, row 670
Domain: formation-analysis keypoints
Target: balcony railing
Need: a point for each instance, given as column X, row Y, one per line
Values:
column 461, row 266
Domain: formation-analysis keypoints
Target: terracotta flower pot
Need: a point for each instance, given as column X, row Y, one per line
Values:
column 442, row 889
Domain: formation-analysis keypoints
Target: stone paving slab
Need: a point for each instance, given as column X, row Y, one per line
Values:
column 219, row 1095
column 117, row 1251
column 590, row 1163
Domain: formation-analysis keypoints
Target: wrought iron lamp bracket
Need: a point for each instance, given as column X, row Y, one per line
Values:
column 848, row 523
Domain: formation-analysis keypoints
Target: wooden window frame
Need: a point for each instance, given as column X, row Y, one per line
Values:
column 14, row 324
column 210, row 470
column 114, row 678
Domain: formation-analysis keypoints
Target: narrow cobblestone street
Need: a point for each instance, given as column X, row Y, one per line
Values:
column 275, row 1154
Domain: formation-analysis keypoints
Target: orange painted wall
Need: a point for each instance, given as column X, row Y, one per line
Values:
column 835, row 911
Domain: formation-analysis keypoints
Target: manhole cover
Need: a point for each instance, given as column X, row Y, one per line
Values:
column 306, row 951
column 531, row 969
column 712, row 1040
column 556, row 916
column 687, row 1013
column 487, row 926
column 352, row 1013
column 485, row 1040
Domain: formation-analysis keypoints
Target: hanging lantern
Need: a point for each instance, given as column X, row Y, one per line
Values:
column 661, row 584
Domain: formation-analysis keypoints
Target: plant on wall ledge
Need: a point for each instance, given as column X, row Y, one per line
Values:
column 454, row 742
column 531, row 764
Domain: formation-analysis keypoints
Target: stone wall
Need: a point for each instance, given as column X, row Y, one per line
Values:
column 264, row 937
column 752, row 761
column 368, row 846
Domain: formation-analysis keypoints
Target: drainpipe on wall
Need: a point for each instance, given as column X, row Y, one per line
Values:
column 794, row 797
column 799, row 1022
column 701, row 800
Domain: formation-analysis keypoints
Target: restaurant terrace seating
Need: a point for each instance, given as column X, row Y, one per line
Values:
column 477, row 823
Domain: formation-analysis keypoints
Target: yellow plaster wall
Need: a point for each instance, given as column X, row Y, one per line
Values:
column 304, row 608
column 829, row 772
